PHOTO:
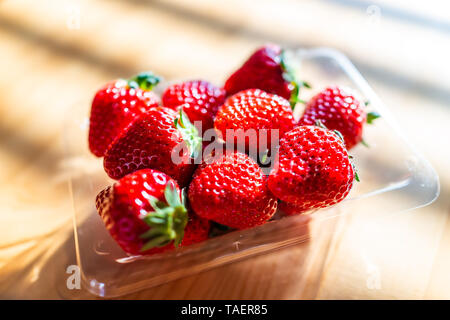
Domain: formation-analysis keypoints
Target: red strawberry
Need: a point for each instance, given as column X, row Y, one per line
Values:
column 197, row 230
column 116, row 105
column 200, row 100
column 290, row 209
column 159, row 140
column 254, row 110
column 338, row 109
column 232, row 191
column 266, row 69
column 312, row 169
column 145, row 213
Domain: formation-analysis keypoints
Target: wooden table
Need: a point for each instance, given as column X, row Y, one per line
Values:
column 56, row 53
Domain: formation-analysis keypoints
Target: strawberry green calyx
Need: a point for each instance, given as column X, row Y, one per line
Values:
column 355, row 171
column 144, row 80
column 264, row 156
column 289, row 74
column 352, row 162
column 189, row 133
column 371, row 116
column 365, row 144
column 167, row 222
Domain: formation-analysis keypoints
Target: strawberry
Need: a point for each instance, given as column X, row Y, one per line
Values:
column 145, row 213
column 312, row 169
column 232, row 191
column 116, row 105
column 266, row 69
column 338, row 109
column 289, row 209
column 158, row 139
column 200, row 101
column 196, row 231
column 254, row 114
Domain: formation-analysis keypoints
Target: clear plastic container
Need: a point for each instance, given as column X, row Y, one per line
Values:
column 394, row 178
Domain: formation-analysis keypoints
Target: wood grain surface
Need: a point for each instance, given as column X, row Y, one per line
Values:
column 54, row 54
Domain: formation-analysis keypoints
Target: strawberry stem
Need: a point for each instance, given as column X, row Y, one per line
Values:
column 144, row 80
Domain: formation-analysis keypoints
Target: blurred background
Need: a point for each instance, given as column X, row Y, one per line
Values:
column 54, row 54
